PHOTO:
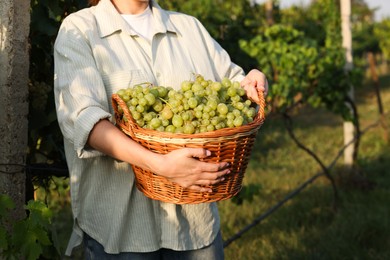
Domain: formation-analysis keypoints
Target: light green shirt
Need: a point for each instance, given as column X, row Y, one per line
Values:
column 96, row 54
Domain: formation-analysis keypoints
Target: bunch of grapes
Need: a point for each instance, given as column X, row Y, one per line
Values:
column 199, row 106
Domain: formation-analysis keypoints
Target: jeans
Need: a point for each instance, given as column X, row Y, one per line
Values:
column 95, row 251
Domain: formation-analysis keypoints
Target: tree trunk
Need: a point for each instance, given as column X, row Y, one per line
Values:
column 349, row 129
column 269, row 8
column 375, row 80
column 14, row 62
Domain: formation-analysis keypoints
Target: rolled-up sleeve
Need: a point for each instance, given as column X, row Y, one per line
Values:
column 80, row 96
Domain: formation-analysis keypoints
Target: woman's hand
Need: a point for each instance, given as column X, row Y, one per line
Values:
column 182, row 167
column 254, row 81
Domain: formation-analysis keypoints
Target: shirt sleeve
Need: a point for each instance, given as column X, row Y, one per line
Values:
column 219, row 56
column 80, row 96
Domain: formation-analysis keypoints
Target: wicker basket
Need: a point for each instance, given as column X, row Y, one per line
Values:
column 233, row 145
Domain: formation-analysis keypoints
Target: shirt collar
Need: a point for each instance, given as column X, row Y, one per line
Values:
column 110, row 21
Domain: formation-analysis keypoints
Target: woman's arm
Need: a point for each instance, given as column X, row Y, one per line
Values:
column 180, row 166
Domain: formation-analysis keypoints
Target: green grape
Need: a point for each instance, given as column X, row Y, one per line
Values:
column 167, row 113
column 199, row 78
column 220, row 125
column 142, row 101
column 200, row 93
column 204, row 83
column 207, row 109
column 177, row 121
column 129, row 92
column 230, row 122
column 140, row 108
column 206, row 115
column 186, row 85
column 138, row 89
column 179, row 130
column 197, row 87
column 155, row 123
column 171, row 94
column 212, row 103
column 216, row 86
column 146, row 90
column 174, row 102
column 155, row 92
column 140, row 122
column 226, row 82
column 202, row 129
column 195, row 123
column 162, row 92
column 120, row 92
column 248, row 102
column 236, row 84
column 192, row 102
column 188, row 94
column 132, row 108
column 206, row 121
column 164, row 122
column 235, row 98
column 238, row 121
column 215, row 120
column 251, row 112
column 210, row 128
column 222, row 109
column 188, row 129
column 136, row 115
column 150, row 98
column 231, row 91
column 158, row 105
column 239, row 105
column 198, row 114
column 170, row 129
column 236, row 112
column 241, row 92
column 148, row 117
column 185, row 116
column 160, row 128
column 134, row 101
column 179, row 96
column 125, row 97
column 200, row 107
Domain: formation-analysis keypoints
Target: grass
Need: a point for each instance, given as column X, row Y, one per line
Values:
column 306, row 226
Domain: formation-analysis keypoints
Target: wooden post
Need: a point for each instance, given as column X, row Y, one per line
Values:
column 14, row 62
column 349, row 129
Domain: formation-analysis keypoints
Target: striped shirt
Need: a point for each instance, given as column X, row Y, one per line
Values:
column 96, row 54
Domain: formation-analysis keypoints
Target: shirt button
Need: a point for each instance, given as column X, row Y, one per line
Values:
column 158, row 74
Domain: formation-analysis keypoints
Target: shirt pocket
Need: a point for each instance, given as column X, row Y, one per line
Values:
column 122, row 79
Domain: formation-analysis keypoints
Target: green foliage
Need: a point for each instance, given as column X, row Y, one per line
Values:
column 29, row 238
column 45, row 138
column 382, row 33
column 299, row 70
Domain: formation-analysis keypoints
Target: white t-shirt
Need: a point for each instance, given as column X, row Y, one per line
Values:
column 142, row 24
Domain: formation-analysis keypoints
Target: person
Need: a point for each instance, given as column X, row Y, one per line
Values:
column 106, row 47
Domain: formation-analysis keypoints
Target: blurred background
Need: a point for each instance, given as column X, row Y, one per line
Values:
column 317, row 184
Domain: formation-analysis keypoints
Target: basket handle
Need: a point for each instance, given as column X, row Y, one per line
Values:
column 261, row 104
column 116, row 103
